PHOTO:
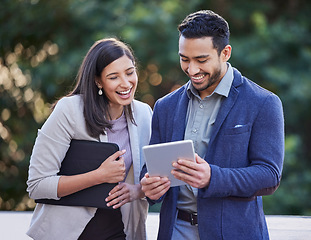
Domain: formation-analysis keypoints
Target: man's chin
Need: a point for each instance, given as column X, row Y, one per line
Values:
column 199, row 86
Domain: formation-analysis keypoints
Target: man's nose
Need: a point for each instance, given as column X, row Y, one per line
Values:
column 193, row 68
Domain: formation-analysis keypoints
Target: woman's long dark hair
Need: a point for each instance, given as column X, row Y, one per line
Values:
column 96, row 107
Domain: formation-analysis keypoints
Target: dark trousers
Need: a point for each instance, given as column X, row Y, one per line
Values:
column 105, row 225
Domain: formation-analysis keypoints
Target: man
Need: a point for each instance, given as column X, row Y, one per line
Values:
column 237, row 128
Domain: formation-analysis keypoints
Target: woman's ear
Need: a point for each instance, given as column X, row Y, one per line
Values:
column 97, row 82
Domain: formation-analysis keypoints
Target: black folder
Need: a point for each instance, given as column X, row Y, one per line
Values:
column 84, row 156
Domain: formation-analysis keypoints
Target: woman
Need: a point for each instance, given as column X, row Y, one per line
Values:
column 100, row 108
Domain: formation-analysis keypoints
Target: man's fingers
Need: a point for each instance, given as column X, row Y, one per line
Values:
column 184, row 163
column 184, row 176
column 152, row 182
column 156, row 190
column 180, row 167
column 198, row 159
column 155, row 195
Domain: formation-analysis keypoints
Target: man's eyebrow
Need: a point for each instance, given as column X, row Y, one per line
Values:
column 182, row 55
column 200, row 56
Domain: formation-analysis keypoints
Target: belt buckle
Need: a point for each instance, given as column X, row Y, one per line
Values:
column 192, row 215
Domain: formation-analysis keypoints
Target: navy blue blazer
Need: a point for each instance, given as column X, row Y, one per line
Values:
column 245, row 153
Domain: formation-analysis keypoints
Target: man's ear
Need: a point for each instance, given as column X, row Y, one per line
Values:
column 226, row 53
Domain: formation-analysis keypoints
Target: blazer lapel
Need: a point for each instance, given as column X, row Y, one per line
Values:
column 133, row 134
column 179, row 123
column 227, row 105
column 223, row 112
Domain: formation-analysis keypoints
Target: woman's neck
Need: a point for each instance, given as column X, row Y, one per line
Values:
column 115, row 112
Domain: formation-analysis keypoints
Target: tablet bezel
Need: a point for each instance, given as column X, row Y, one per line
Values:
column 159, row 158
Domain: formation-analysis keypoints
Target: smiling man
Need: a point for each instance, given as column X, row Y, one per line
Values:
column 202, row 63
column 237, row 128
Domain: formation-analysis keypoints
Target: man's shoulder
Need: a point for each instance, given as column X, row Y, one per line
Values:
column 174, row 95
column 249, row 87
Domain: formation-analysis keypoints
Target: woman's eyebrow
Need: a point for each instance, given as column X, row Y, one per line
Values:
column 114, row 73
column 130, row 68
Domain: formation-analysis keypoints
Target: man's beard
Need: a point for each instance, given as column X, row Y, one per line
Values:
column 215, row 78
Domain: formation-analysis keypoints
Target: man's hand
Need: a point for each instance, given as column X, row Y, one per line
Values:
column 155, row 187
column 197, row 174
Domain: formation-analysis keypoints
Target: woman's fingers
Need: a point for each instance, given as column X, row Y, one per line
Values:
column 118, row 196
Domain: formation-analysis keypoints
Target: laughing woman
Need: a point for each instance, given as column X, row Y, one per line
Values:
column 102, row 108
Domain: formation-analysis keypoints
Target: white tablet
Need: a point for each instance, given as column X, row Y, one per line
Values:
column 159, row 158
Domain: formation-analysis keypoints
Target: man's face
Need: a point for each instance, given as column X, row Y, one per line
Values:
column 201, row 62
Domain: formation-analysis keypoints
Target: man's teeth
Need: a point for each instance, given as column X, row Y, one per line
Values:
column 198, row 78
column 126, row 92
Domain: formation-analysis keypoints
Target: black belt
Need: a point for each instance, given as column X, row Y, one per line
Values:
column 188, row 217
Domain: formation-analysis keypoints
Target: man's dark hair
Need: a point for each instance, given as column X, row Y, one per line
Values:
column 206, row 23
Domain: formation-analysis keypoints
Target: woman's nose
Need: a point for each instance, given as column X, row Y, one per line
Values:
column 125, row 81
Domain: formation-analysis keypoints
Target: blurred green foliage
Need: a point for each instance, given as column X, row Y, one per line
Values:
column 42, row 44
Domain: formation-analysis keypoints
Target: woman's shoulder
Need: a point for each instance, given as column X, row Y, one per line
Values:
column 142, row 111
column 69, row 102
column 137, row 105
column 69, row 106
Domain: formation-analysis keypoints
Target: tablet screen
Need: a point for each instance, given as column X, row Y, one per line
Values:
column 159, row 158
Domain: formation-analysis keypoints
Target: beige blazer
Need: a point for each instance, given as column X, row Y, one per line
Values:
column 66, row 122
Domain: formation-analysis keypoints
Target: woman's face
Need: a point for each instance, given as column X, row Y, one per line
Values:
column 119, row 81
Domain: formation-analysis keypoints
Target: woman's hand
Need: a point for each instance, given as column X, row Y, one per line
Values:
column 124, row 193
column 112, row 170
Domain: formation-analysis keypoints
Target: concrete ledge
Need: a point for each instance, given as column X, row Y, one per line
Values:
column 289, row 227
column 15, row 224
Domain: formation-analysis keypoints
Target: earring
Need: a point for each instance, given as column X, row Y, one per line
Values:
column 100, row 92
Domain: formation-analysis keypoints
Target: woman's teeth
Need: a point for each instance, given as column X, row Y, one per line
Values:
column 125, row 92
